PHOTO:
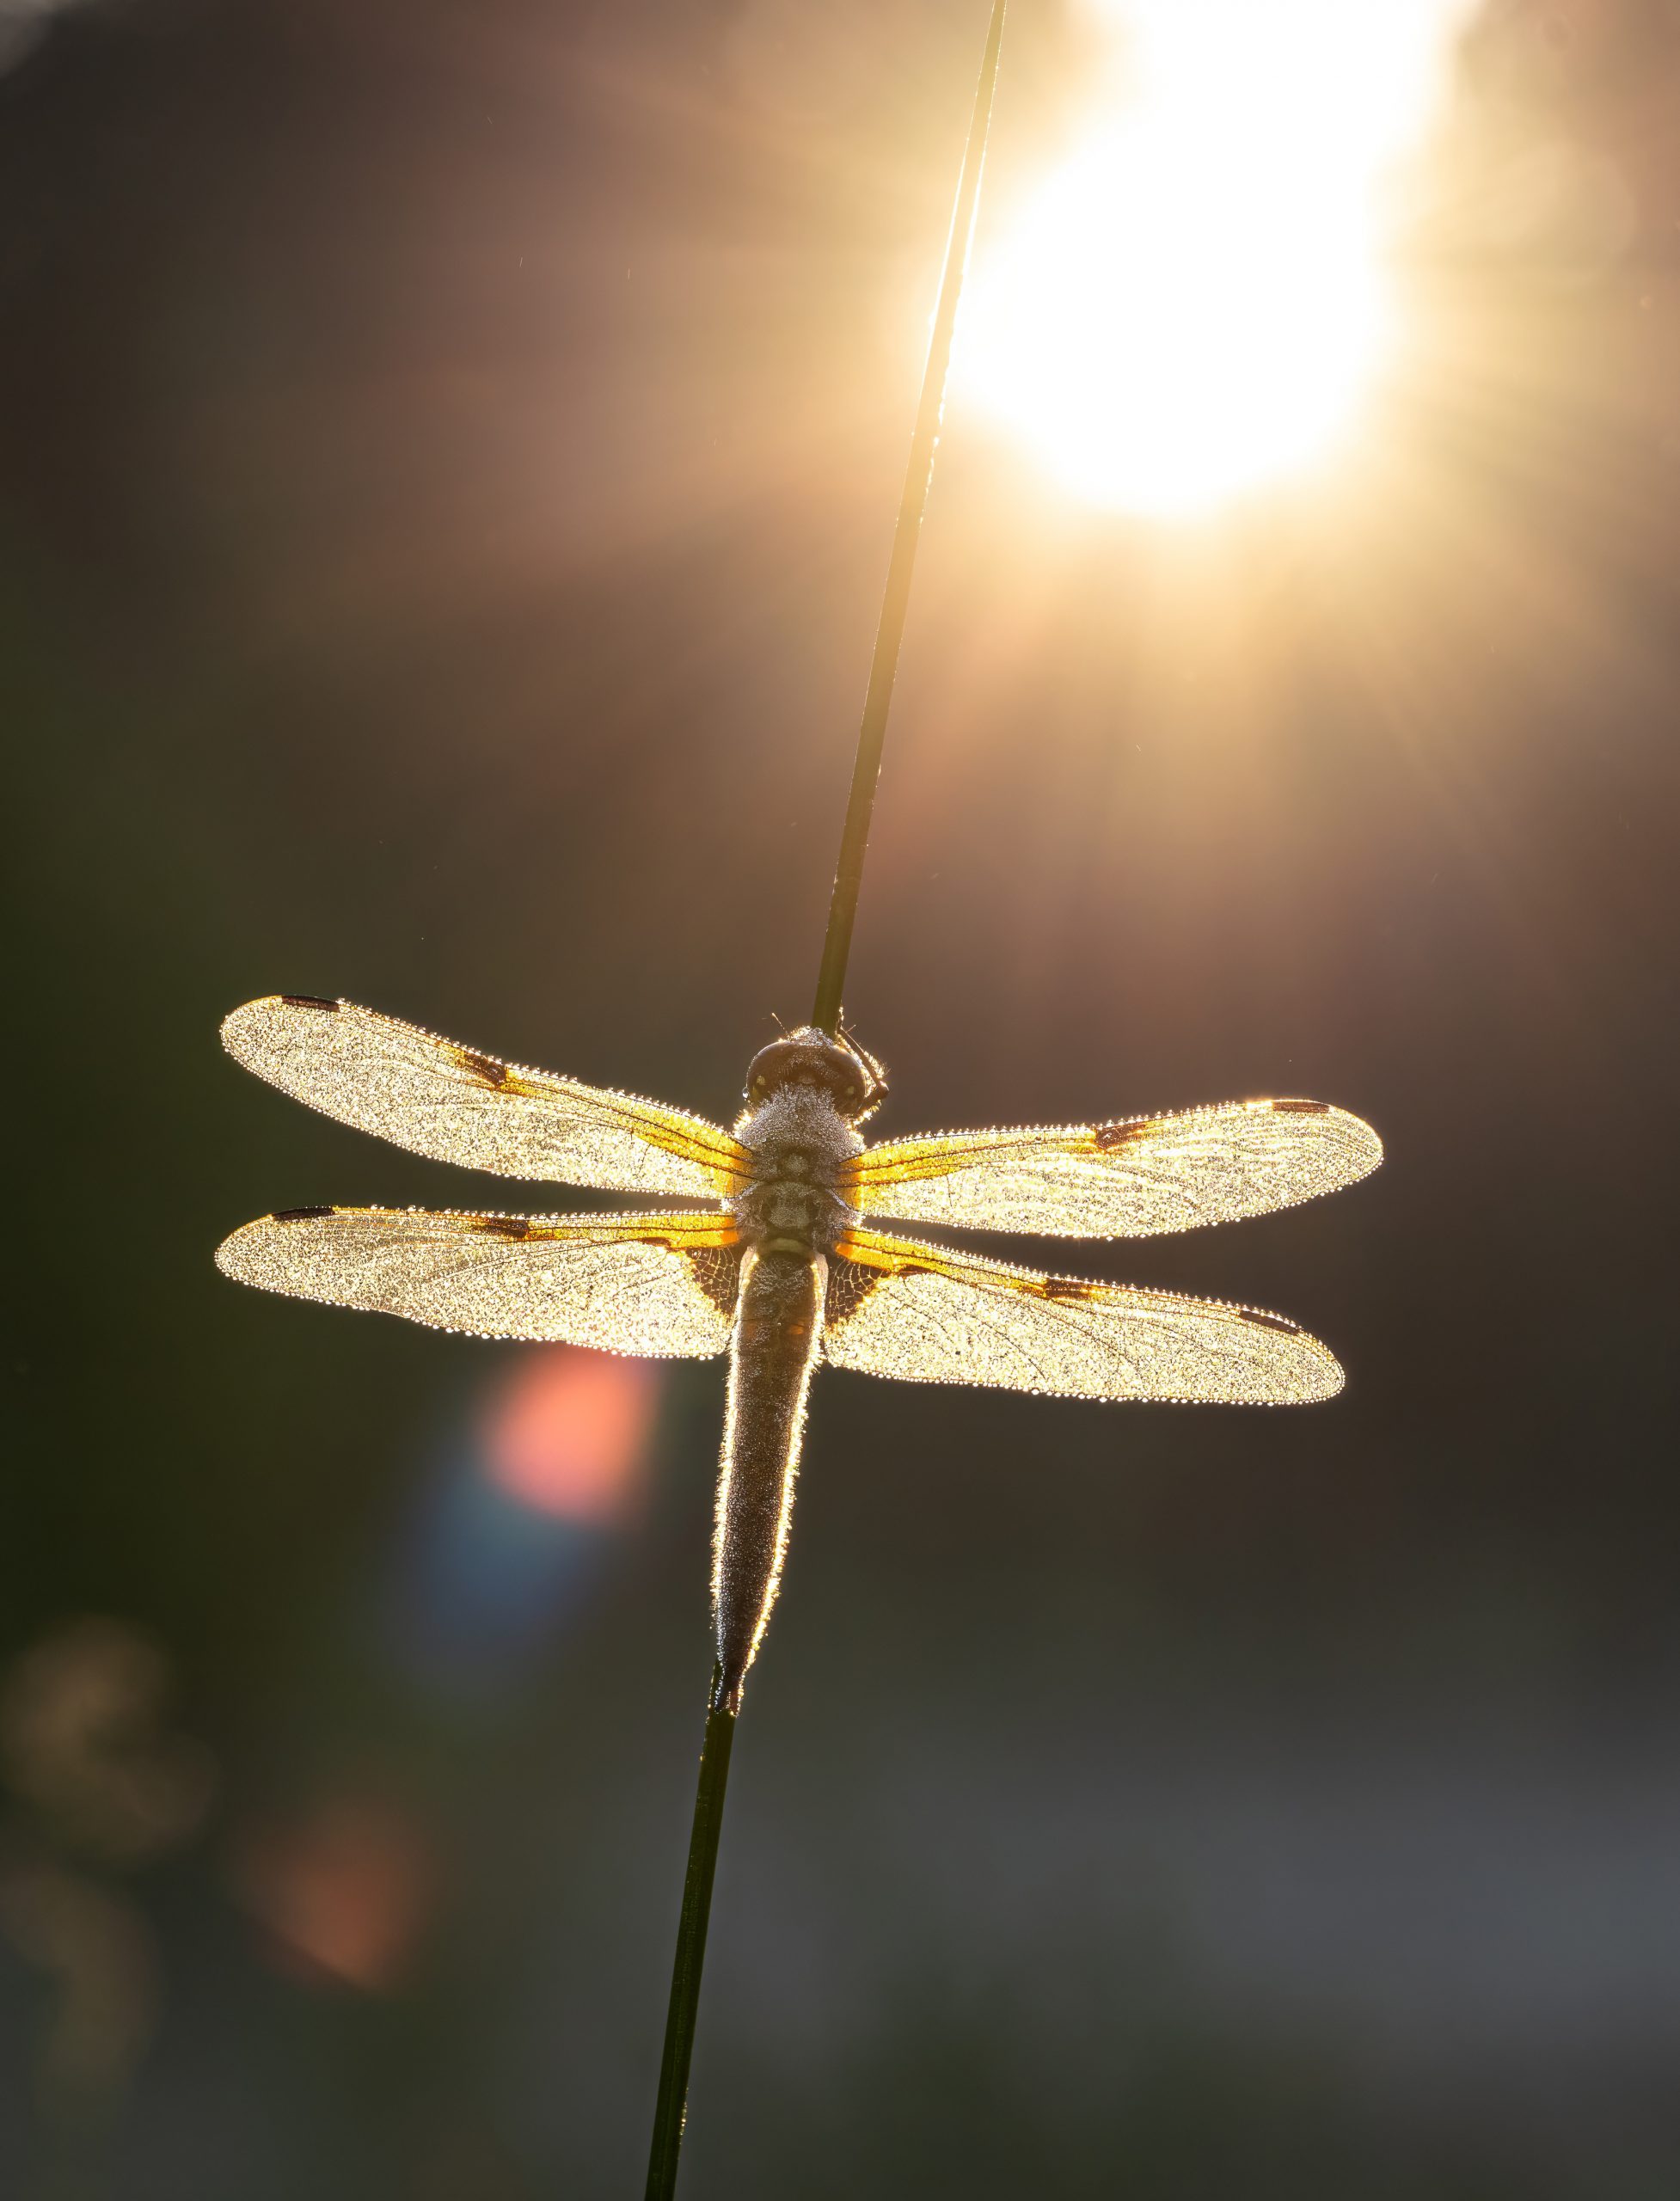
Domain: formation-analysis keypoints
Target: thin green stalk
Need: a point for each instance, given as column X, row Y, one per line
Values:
column 919, row 475
column 671, row 2107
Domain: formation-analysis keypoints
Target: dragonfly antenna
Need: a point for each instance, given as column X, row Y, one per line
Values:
column 895, row 602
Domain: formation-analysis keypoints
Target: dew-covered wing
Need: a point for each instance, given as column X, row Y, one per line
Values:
column 662, row 1285
column 898, row 1307
column 1130, row 1179
column 406, row 1085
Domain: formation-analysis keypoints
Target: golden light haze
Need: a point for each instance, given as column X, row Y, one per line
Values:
column 1194, row 302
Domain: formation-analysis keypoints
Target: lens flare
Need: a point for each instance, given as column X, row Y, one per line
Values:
column 1194, row 304
column 521, row 1513
column 343, row 1888
column 568, row 1436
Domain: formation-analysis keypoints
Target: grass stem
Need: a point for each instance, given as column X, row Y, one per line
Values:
column 895, row 603
column 671, row 2108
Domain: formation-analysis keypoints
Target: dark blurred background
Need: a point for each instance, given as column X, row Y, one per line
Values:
column 448, row 456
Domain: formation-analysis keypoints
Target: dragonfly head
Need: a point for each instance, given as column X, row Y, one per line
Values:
column 854, row 1080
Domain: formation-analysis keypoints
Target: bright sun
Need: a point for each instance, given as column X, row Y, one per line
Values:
column 1193, row 304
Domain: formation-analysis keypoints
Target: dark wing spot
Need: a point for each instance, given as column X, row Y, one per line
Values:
column 302, row 1214
column 1300, row 1107
column 308, row 1001
column 503, row 1226
column 1269, row 1321
column 485, row 1068
column 1067, row 1291
column 1105, row 1136
column 717, row 1271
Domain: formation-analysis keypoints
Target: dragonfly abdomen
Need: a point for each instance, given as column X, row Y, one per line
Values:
column 778, row 1325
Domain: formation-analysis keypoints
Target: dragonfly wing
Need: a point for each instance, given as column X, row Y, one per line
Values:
column 900, row 1307
column 401, row 1083
column 1130, row 1179
column 659, row 1284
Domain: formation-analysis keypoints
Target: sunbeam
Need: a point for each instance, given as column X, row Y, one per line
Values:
column 1194, row 304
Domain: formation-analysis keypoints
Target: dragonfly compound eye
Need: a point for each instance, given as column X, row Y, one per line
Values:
column 811, row 1057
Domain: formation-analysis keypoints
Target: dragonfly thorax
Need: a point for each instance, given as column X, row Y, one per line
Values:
column 801, row 1144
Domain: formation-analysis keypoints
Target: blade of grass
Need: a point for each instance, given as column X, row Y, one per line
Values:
column 671, row 2108
column 895, row 603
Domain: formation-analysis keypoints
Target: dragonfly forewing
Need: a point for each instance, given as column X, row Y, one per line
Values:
column 456, row 1104
column 1133, row 1178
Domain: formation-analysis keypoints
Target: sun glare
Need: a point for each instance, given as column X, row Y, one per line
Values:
column 1193, row 304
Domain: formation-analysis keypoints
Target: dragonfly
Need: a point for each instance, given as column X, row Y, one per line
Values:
column 782, row 1267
